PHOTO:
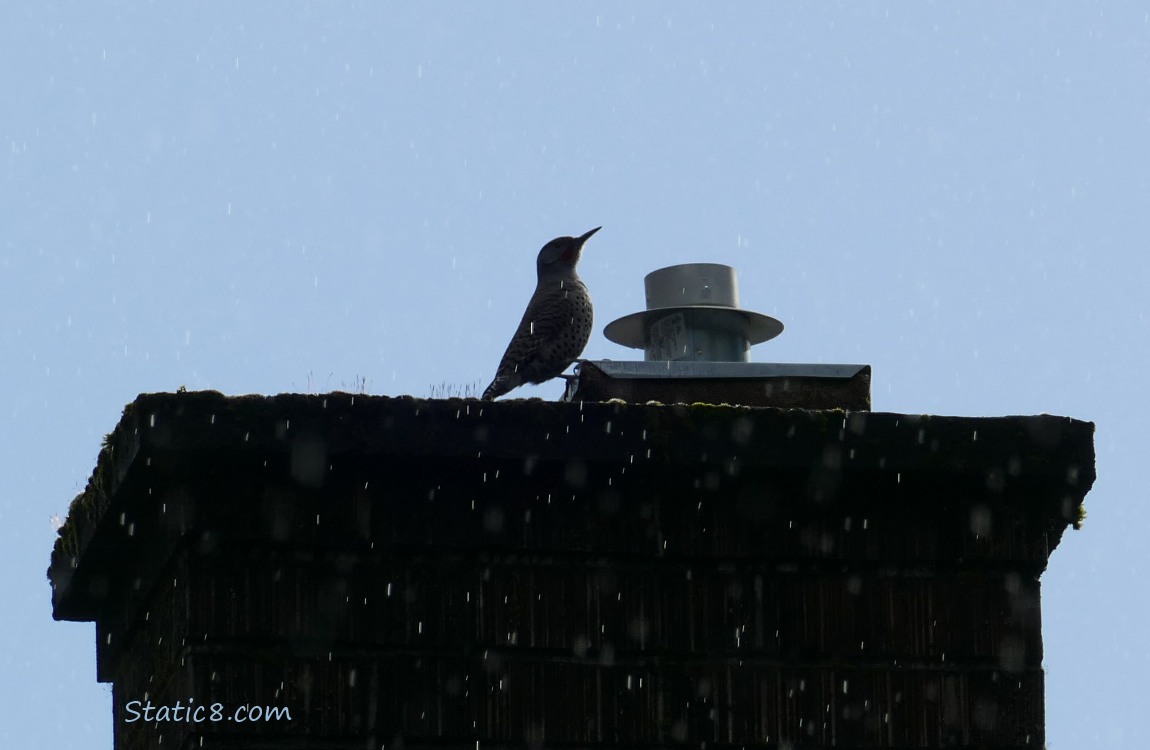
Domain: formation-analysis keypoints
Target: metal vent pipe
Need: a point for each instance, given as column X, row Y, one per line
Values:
column 693, row 315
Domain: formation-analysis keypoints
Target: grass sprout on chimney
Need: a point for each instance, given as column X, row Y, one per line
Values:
column 454, row 390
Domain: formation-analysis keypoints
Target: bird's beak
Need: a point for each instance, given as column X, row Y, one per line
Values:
column 587, row 236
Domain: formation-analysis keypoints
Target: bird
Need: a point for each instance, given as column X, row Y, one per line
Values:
column 556, row 324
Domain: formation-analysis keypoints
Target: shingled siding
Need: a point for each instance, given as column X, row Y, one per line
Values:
column 415, row 573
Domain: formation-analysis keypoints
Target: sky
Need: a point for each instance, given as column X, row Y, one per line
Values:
column 266, row 197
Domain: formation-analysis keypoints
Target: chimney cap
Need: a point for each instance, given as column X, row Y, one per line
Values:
column 689, row 286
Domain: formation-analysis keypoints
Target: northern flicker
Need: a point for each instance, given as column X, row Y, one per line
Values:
column 556, row 325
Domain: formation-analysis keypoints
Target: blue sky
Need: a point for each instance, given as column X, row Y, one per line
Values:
column 267, row 197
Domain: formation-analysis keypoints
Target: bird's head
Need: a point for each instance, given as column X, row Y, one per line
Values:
column 562, row 253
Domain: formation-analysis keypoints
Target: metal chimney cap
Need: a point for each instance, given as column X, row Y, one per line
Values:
column 690, row 286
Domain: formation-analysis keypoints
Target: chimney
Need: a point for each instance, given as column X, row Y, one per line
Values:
column 695, row 340
column 348, row 571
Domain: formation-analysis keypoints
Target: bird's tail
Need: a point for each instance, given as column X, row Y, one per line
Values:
column 493, row 391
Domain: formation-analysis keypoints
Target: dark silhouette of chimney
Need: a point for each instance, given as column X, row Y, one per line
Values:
column 395, row 572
